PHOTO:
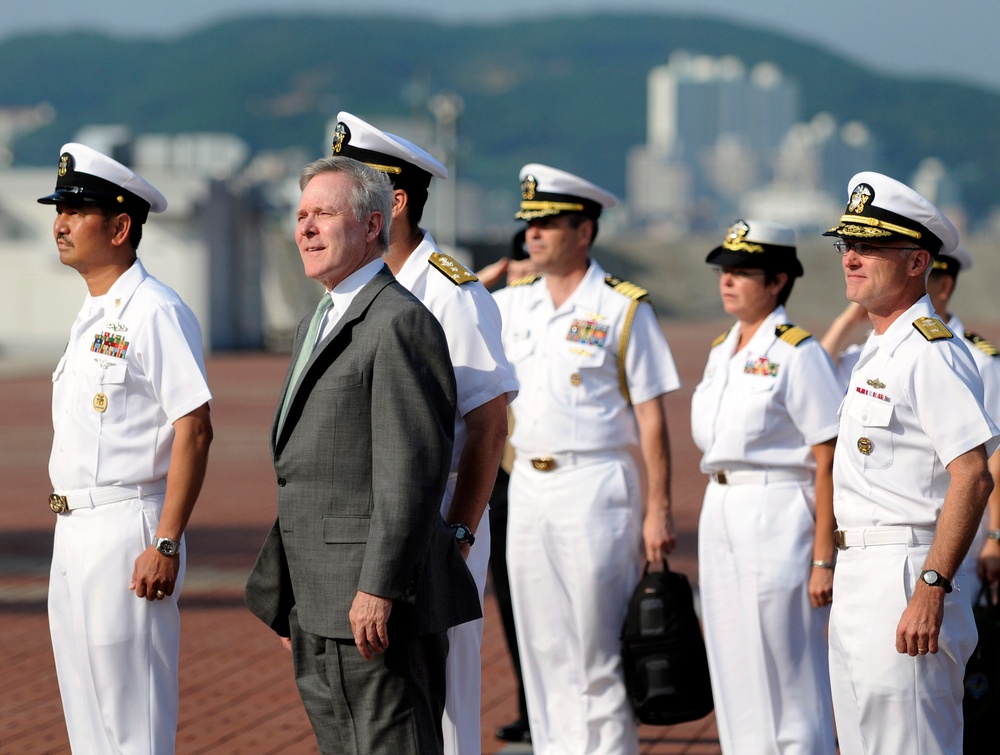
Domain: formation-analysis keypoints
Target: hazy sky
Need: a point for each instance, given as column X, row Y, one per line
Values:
column 955, row 40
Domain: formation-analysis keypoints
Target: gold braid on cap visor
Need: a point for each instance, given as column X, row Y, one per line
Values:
column 539, row 209
column 742, row 246
column 385, row 168
column 875, row 223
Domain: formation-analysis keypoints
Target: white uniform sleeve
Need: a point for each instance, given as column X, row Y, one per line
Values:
column 172, row 360
column 946, row 393
column 649, row 365
column 471, row 323
column 814, row 393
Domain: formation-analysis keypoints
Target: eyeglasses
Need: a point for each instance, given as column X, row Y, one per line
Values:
column 737, row 272
column 865, row 249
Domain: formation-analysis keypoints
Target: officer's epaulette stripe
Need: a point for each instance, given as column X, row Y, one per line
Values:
column 720, row 339
column 453, row 271
column 792, row 334
column 625, row 288
column 982, row 344
column 932, row 328
column 527, row 280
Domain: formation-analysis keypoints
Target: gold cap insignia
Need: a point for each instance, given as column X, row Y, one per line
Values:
column 64, row 164
column 865, row 446
column 861, row 195
column 737, row 231
column 735, row 239
column 529, row 187
column 341, row 134
column 875, row 383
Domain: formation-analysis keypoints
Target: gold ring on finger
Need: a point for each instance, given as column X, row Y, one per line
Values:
column 160, row 594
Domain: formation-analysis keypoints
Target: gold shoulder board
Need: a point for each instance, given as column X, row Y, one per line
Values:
column 932, row 328
column 792, row 334
column 455, row 272
column 625, row 288
column 982, row 344
column 720, row 339
column 527, row 280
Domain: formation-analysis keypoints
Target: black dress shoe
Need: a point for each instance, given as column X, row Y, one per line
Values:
column 515, row 732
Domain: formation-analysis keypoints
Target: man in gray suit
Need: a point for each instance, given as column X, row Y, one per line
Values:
column 359, row 570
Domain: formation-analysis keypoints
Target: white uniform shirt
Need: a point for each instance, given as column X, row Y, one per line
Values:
column 567, row 363
column 471, row 323
column 912, row 406
column 767, row 404
column 135, row 351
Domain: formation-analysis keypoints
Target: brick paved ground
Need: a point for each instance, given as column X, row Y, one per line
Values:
column 237, row 692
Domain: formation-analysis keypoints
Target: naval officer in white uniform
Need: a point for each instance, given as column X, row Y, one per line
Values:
column 589, row 490
column 910, row 485
column 982, row 562
column 484, row 379
column 130, row 410
column 765, row 417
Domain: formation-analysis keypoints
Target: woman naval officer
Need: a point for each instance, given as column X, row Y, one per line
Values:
column 765, row 417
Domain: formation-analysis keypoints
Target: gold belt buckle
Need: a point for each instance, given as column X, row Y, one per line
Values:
column 58, row 503
column 544, row 463
column 840, row 540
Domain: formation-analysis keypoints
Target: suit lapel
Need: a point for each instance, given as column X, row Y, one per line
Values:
column 359, row 305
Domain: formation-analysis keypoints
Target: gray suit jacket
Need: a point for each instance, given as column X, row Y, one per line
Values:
column 361, row 464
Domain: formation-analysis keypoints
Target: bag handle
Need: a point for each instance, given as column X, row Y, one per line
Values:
column 666, row 567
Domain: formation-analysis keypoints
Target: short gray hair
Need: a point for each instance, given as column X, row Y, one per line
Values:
column 371, row 189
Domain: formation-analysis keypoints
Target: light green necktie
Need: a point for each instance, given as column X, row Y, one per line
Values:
column 305, row 354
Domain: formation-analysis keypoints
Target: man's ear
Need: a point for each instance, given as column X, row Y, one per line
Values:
column 375, row 222
column 122, row 225
column 918, row 262
column 400, row 201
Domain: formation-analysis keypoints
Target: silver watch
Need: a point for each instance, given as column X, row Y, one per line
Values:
column 166, row 546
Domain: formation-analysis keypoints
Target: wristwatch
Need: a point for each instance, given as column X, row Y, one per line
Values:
column 166, row 546
column 463, row 534
column 934, row 579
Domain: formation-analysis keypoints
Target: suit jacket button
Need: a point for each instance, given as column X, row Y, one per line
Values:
column 281, row 482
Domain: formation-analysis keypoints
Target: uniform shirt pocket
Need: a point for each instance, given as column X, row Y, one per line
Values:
column 111, row 393
column 520, row 349
column 756, row 398
column 870, row 445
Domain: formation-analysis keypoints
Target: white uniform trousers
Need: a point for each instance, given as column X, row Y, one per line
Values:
column 887, row 702
column 116, row 654
column 574, row 553
column 464, row 667
column 767, row 648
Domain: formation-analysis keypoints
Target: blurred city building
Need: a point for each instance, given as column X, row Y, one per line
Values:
column 723, row 141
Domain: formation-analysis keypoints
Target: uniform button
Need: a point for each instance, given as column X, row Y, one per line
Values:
column 864, row 417
column 281, row 482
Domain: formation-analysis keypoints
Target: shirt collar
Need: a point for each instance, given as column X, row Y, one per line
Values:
column 588, row 294
column 416, row 262
column 114, row 302
column 902, row 327
column 345, row 291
